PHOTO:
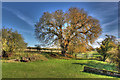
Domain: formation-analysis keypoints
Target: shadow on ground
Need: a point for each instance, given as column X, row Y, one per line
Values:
column 98, row 65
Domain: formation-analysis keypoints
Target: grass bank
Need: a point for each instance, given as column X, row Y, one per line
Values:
column 54, row 68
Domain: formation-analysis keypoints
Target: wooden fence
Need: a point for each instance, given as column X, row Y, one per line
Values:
column 34, row 49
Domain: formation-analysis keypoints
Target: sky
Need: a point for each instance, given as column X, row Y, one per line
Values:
column 22, row 16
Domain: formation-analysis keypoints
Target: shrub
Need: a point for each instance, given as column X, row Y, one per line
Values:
column 12, row 42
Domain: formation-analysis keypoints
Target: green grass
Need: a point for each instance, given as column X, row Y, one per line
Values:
column 54, row 68
column 90, row 55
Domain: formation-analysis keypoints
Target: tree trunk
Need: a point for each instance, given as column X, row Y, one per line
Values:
column 104, row 58
column 118, row 58
column 64, row 47
column 63, row 52
column 75, row 56
column 119, row 66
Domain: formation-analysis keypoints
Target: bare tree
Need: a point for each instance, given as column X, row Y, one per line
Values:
column 64, row 28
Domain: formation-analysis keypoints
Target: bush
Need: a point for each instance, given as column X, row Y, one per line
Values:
column 27, row 56
column 12, row 42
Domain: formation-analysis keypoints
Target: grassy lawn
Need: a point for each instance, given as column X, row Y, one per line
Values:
column 54, row 68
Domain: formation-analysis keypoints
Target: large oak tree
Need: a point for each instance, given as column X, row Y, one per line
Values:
column 64, row 28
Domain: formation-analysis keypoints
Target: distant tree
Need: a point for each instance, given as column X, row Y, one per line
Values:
column 106, row 45
column 113, row 51
column 0, row 42
column 118, row 57
column 63, row 28
column 12, row 41
column 38, row 47
column 115, row 55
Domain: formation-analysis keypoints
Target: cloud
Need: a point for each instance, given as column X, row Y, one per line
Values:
column 112, row 32
column 118, row 39
column 102, row 37
column 20, row 15
column 26, row 31
column 95, row 44
column 99, row 39
column 110, row 23
column 107, row 14
column 104, row 9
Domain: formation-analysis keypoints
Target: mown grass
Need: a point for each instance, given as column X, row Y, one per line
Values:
column 54, row 68
column 90, row 55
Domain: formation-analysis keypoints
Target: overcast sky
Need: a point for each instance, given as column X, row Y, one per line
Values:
column 22, row 16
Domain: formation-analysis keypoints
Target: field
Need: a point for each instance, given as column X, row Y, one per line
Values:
column 54, row 68
column 46, row 66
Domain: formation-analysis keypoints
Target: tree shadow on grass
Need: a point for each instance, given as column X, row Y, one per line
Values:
column 99, row 65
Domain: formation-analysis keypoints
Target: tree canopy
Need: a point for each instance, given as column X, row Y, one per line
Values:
column 106, row 45
column 12, row 41
column 64, row 28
